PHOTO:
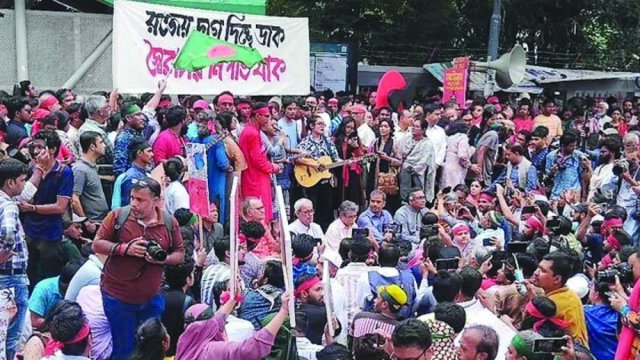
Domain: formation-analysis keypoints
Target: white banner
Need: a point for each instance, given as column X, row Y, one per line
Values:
column 147, row 39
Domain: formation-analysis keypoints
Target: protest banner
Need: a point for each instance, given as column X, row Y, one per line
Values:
column 7, row 312
column 147, row 39
column 233, row 234
column 287, row 253
column 197, row 186
column 455, row 82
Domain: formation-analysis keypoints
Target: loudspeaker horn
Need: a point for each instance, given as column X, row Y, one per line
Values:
column 509, row 67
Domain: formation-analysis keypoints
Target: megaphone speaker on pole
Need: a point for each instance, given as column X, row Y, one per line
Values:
column 509, row 67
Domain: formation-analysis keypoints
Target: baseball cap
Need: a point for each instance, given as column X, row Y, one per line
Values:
column 393, row 294
column 78, row 219
column 201, row 104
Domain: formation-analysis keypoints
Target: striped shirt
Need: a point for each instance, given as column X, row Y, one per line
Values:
column 367, row 323
column 213, row 274
column 12, row 234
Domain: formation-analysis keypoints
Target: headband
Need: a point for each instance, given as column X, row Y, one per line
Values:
column 610, row 223
column 55, row 345
column 225, row 98
column 458, row 228
column 226, row 296
column 193, row 220
column 486, row 197
column 132, row 109
column 521, row 347
column 264, row 111
column 534, row 223
column 243, row 105
column 48, row 102
column 164, row 103
column 311, row 282
column 613, row 241
column 533, row 311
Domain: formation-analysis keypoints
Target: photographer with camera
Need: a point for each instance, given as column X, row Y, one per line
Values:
column 629, row 308
column 626, row 184
column 140, row 240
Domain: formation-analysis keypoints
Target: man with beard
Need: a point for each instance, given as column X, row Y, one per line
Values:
column 310, row 300
column 384, row 316
column 610, row 151
column 171, row 141
column 597, row 122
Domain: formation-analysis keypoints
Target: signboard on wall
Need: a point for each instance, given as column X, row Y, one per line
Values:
column 328, row 66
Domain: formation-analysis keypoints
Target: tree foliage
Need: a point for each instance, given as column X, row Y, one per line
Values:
column 560, row 33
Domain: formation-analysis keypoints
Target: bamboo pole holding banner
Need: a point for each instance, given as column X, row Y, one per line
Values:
column 287, row 254
column 233, row 236
column 328, row 296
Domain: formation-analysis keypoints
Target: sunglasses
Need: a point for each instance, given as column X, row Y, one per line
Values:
column 142, row 184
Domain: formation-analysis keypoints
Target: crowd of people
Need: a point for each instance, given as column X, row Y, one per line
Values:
column 502, row 229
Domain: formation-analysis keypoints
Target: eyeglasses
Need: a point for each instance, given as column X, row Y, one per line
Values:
column 395, row 357
column 307, row 212
column 138, row 183
column 261, row 208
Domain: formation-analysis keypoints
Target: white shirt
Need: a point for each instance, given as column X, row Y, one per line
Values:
column 486, row 317
column 339, row 302
column 399, row 135
column 307, row 349
column 176, row 197
column 238, row 329
column 297, row 227
column 327, row 121
column 366, row 135
column 336, row 232
column 348, row 277
column 439, row 140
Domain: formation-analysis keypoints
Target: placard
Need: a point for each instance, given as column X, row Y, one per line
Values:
column 147, row 39
column 455, row 82
column 197, row 185
column 328, row 66
column 6, row 303
column 287, row 254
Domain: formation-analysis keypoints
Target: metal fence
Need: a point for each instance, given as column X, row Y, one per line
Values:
column 58, row 42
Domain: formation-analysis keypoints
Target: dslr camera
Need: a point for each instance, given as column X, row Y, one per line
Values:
column 620, row 167
column 427, row 231
column 155, row 251
column 624, row 272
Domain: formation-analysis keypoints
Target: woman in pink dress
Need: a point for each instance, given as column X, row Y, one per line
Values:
column 459, row 152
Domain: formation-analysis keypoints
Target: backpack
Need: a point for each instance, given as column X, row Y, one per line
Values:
column 404, row 280
column 123, row 214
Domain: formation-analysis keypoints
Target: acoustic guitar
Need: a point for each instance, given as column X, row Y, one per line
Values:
column 308, row 176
